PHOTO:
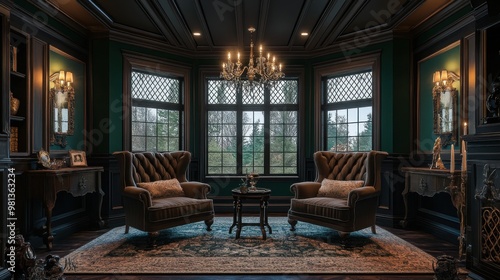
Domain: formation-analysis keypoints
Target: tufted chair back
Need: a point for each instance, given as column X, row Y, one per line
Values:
column 347, row 166
column 151, row 166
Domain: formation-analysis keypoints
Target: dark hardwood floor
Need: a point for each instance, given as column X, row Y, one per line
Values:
column 424, row 241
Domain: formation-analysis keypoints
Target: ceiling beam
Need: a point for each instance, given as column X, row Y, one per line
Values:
column 323, row 25
column 204, row 25
column 303, row 11
column 157, row 18
column 343, row 21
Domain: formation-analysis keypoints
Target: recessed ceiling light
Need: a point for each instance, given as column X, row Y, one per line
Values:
column 304, row 34
column 196, row 33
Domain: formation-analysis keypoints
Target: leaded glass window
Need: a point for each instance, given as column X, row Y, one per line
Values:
column 348, row 112
column 156, row 112
column 252, row 128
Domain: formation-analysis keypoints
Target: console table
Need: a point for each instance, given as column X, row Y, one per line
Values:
column 428, row 182
column 77, row 181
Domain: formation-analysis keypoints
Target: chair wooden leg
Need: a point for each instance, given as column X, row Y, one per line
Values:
column 152, row 237
column 374, row 231
column 209, row 224
column 343, row 235
column 126, row 229
column 292, row 224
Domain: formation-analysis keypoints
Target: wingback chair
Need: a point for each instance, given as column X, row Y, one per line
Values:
column 344, row 195
column 150, row 211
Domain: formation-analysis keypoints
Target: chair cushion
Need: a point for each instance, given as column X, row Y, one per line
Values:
column 175, row 207
column 163, row 188
column 332, row 208
column 338, row 189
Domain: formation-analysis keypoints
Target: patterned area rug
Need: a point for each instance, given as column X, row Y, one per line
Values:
column 190, row 249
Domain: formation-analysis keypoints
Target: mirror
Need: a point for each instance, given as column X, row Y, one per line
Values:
column 62, row 108
column 445, row 115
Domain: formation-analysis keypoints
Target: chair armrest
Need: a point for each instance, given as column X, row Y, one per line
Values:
column 196, row 189
column 138, row 194
column 361, row 194
column 305, row 189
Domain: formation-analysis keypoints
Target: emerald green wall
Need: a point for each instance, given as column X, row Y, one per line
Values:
column 59, row 61
column 107, row 59
column 449, row 60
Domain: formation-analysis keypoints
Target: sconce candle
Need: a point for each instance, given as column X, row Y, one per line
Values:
column 452, row 159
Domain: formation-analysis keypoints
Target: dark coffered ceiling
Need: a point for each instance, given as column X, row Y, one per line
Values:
column 224, row 24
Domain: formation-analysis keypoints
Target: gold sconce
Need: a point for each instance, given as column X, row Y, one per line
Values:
column 62, row 111
column 443, row 80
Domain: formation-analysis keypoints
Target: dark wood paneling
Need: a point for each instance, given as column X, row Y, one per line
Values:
column 39, row 86
column 483, row 244
column 112, row 206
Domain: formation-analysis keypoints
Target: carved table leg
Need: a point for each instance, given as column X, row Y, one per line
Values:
column 404, row 222
column 266, row 222
column 262, row 218
column 49, row 202
column 235, row 211
column 100, row 196
column 239, row 221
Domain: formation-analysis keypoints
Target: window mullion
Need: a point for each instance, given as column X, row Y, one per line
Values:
column 239, row 131
column 267, row 127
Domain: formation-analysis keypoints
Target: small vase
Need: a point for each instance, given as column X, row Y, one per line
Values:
column 14, row 105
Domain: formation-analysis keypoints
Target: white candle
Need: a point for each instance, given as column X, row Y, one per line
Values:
column 452, row 159
column 465, row 128
column 464, row 157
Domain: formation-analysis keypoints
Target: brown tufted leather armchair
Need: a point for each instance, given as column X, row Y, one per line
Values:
column 344, row 215
column 153, row 214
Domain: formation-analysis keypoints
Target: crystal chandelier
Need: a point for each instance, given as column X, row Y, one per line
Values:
column 263, row 70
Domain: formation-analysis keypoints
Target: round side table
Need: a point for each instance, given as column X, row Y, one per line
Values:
column 260, row 194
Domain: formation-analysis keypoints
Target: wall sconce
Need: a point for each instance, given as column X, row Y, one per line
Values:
column 443, row 80
column 64, row 77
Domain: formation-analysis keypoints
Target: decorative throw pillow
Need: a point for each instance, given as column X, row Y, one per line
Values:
column 163, row 188
column 338, row 189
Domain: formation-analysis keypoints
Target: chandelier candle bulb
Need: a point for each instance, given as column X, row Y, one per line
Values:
column 452, row 159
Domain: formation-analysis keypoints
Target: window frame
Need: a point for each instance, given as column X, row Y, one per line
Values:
column 155, row 66
column 346, row 66
column 292, row 73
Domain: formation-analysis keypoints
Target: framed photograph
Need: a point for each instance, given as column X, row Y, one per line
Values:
column 77, row 158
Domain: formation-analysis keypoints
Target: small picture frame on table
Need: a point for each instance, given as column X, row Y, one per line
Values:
column 77, row 158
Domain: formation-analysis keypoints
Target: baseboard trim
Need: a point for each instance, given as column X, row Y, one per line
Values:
column 439, row 230
column 388, row 220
